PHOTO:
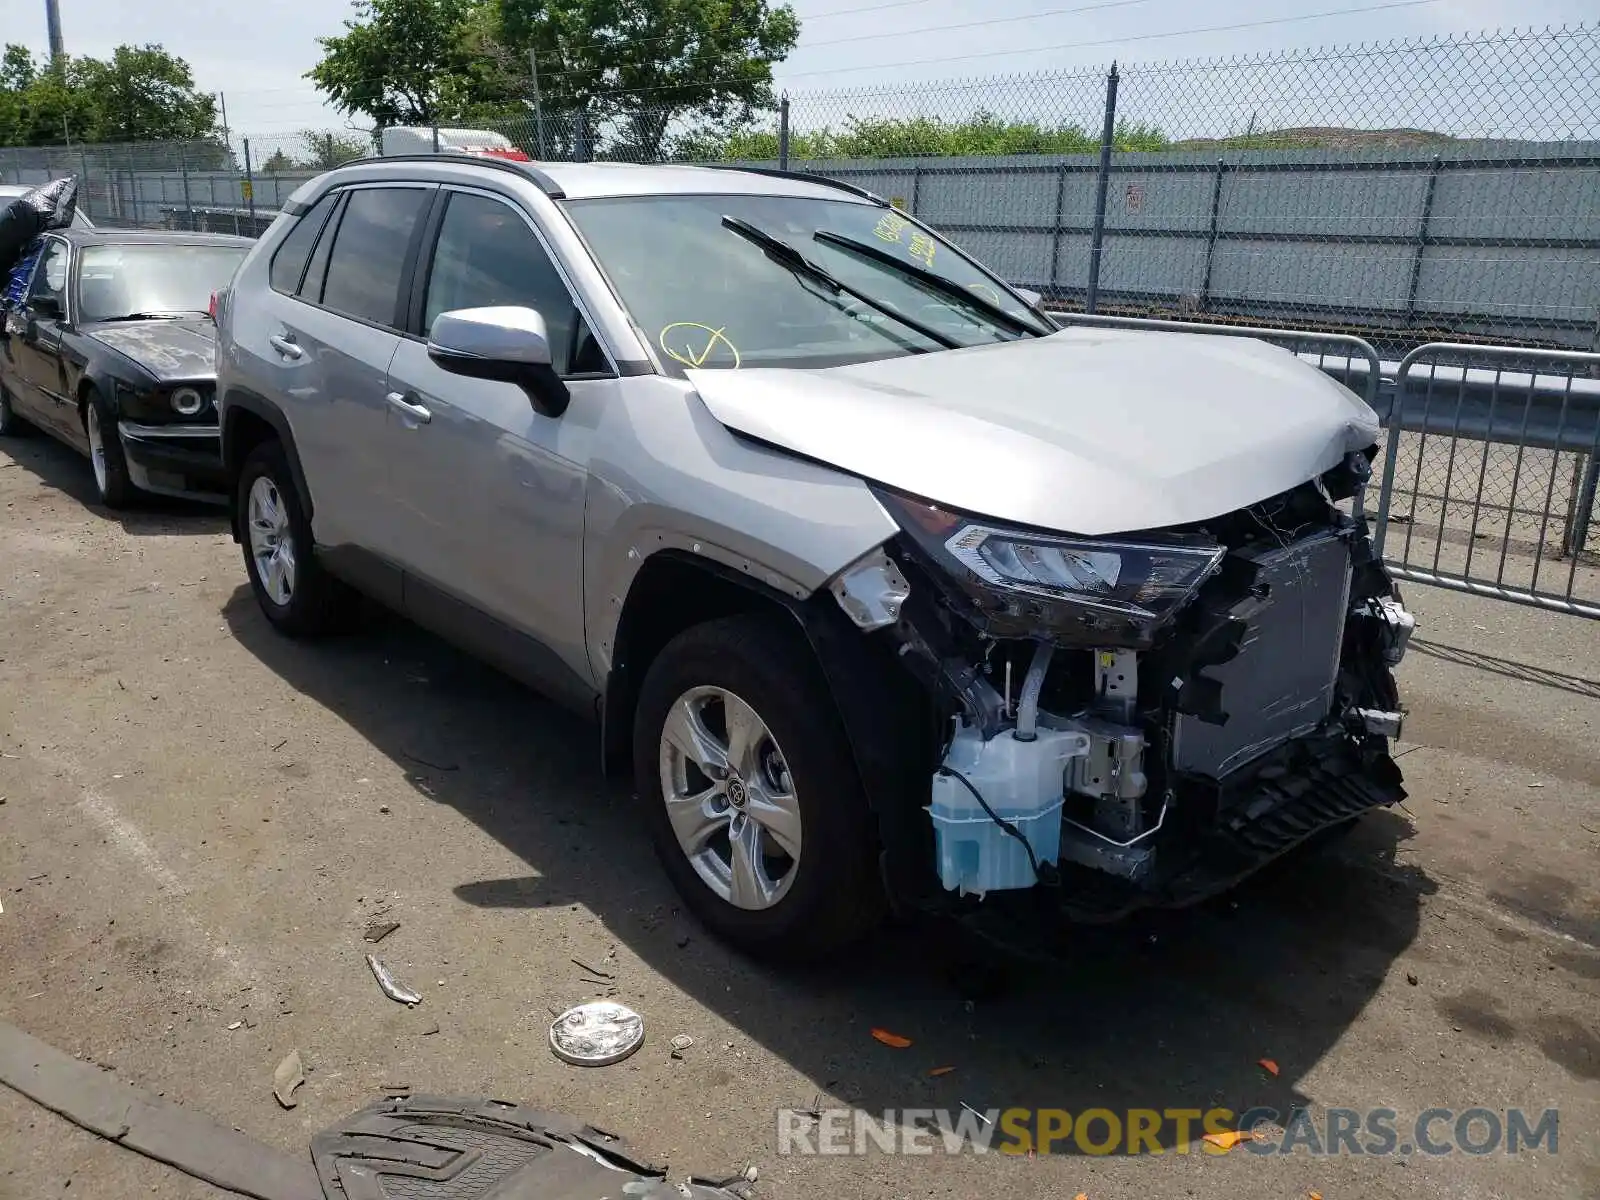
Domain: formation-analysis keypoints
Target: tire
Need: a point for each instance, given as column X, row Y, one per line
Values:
column 293, row 589
column 11, row 425
column 799, row 778
column 111, row 480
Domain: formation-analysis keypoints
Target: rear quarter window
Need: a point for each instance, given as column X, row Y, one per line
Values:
column 289, row 261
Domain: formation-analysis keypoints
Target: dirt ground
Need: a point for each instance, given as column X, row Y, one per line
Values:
column 201, row 817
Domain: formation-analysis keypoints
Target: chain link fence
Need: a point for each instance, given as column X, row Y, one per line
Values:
column 1405, row 192
column 1444, row 190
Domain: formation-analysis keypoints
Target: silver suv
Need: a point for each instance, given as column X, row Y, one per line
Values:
column 895, row 594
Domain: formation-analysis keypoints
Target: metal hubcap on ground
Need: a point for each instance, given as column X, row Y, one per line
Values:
column 730, row 798
column 97, row 448
column 271, row 541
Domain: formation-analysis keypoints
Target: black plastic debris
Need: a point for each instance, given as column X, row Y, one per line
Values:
column 450, row 1148
column 49, row 206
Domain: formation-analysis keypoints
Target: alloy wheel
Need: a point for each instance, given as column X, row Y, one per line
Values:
column 730, row 798
column 97, row 448
column 271, row 540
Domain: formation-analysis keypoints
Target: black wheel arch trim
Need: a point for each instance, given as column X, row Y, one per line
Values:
column 878, row 705
column 235, row 402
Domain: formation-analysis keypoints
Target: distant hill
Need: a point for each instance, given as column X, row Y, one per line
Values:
column 1322, row 137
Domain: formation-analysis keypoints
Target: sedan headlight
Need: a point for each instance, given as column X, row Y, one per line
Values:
column 188, row 401
column 1121, row 590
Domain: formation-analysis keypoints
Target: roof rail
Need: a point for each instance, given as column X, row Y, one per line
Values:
column 527, row 170
column 807, row 176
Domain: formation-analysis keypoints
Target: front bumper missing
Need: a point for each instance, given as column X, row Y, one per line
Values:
column 175, row 460
column 1267, row 722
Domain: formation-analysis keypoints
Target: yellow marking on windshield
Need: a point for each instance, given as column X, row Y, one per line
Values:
column 984, row 290
column 890, row 226
column 922, row 249
column 696, row 333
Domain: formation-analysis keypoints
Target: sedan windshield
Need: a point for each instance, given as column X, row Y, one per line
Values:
column 730, row 281
column 122, row 282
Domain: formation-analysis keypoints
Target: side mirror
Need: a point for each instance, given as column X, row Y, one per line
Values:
column 510, row 345
column 1031, row 298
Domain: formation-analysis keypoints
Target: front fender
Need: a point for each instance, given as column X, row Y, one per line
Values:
column 235, row 446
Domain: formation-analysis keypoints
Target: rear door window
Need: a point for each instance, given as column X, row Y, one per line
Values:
column 289, row 263
column 368, row 258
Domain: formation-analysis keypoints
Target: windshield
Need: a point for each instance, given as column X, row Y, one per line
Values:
column 153, row 280
column 711, row 296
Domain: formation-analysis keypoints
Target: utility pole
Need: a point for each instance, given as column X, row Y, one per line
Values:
column 52, row 21
column 538, row 107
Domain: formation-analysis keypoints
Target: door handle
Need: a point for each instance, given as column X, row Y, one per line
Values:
column 285, row 346
column 415, row 411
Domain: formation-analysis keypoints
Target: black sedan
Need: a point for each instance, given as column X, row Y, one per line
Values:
column 108, row 345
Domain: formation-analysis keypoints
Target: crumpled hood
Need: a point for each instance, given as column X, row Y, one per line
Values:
column 1090, row 431
column 171, row 349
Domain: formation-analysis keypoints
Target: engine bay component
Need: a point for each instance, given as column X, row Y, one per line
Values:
column 871, row 591
column 1398, row 626
column 996, row 807
column 1280, row 683
column 1376, row 721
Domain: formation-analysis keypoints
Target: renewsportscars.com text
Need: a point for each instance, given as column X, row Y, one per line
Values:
column 1102, row 1131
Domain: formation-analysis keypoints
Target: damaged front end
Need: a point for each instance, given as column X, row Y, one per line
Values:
column 1141, row 720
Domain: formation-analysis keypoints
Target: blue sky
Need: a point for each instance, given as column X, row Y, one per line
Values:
column 257, row 53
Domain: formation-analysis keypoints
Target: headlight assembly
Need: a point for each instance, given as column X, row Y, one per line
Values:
column 1112, row 589
column 188, row 401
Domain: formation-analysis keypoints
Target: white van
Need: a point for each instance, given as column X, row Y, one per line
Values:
column 424, row 139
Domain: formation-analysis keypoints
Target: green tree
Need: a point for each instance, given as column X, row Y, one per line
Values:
column 642, row 68
column 981, row 134
column 400, row 62
column 145, row 94
column 622, row 73
column 325, row 150
column 141, row 93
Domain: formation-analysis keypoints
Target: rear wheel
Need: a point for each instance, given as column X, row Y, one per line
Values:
column 751, row 791
column 294, row 591
column 11, row 425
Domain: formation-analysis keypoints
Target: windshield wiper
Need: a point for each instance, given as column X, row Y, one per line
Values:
column 786, row 255
column 938, row 283
column 163, row 315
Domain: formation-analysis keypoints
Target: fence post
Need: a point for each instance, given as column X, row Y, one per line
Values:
column 436, row 139
column 1211, row 233
column 1096, row 244
column 83, row 185
column 183, row 165
column 783, row 133
column 1422, row 237
column 249, row 191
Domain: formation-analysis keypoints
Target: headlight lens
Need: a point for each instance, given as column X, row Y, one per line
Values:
column 1109, row 589
column 188, row 401
column 1133, row 577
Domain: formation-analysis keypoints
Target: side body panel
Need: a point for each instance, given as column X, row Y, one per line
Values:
column 487, row 497
column 668, row 476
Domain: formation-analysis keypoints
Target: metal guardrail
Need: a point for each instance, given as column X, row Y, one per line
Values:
column 1370, row 371
column 1475, row 452
column 1484, row 450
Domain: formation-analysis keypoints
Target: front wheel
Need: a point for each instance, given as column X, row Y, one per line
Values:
column 111, row 479
column 751, row 791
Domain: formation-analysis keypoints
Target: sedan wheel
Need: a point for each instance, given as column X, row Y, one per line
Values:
column 271, row 540
column 730, row 798
column 97, row 448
